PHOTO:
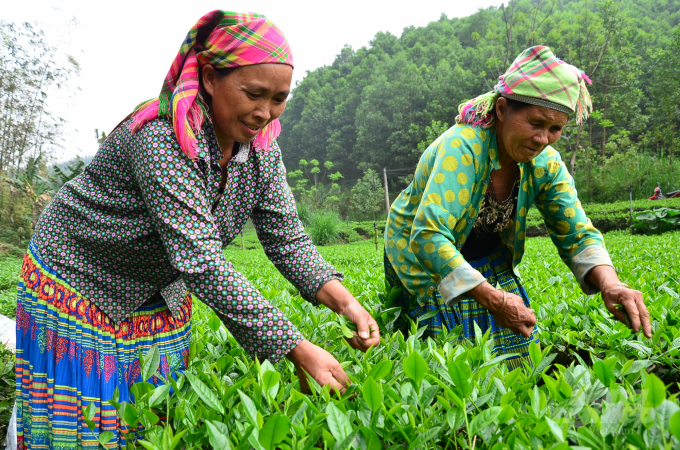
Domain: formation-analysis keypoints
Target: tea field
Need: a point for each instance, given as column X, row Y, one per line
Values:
column 593, row 383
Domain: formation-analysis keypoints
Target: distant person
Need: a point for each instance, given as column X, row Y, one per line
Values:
column 456, row 234
column 120, row 250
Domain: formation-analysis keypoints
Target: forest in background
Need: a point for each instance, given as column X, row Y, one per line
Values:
column 380, row 106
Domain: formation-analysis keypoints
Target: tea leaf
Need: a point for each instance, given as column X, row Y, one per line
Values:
column 274, row 431
column 219, row 437
column 105, row 437
column 204, row 392
column 338, row 423
column 604, row 374
column 420, row 441
column 368, row 440
column 381, row 370
column 675, row 425
column 655, row 391
column 159, row 394
column 373, row 394
column 151, row 361
column 250, row 409
column 555, row 429
column 484, row 419
column 460, row 373
column 415, row 368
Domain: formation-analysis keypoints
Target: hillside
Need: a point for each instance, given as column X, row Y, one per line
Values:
column 373, row 106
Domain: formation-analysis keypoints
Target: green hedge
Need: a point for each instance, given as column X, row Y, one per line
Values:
column 605, row 216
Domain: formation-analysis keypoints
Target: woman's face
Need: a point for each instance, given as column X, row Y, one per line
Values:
column 524, row 133
column 247, row 99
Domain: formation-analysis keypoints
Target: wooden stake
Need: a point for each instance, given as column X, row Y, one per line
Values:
column 243, row 245
column 375, row 227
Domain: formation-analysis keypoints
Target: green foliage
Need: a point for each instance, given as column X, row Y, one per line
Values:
column 377, row 106
column 656, row 221
column 625, row 166
column 368, row 194
column 30, row 70
column 605, row 216
column 350, row 235
column 7, row 386
column 25, row 193
column 324, row 227
column 593, row 383
column 309, row 184
column 9, row 278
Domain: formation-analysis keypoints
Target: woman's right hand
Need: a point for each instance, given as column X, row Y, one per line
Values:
column 319, row 364
column 514, row 316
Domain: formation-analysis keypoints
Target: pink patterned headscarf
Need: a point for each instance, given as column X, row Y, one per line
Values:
column 223, row 39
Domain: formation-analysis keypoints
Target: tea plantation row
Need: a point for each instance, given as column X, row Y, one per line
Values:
column 592, row 383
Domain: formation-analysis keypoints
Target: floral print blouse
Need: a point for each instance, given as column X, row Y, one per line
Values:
column 429, row 222
column 138, row 221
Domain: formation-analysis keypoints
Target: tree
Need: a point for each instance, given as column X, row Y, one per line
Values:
column 368, row 194
column 324, row 192
column 30, row 68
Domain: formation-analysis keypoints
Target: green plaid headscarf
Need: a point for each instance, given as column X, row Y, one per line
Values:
column 537, row 77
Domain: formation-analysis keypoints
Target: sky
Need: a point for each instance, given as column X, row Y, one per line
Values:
column 124, row 51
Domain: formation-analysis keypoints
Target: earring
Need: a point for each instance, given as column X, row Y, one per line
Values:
column 243, row 152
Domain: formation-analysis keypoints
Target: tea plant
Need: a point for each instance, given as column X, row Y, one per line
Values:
column 591, row 383
column 589, row 386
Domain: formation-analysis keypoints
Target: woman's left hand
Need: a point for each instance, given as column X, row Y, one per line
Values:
column 615, row 293
column 334, row 295
column 633, row 304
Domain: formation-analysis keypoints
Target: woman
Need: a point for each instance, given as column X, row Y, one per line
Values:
column 455, row 236
column 119, row 251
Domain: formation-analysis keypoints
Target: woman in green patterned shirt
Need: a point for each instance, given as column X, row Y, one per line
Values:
column 456, row 234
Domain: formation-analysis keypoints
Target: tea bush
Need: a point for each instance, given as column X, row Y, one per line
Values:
column 590, row 384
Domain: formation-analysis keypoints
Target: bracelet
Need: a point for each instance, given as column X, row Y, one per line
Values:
column 505, row 298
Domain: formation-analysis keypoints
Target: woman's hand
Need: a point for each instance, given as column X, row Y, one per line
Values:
column 616, row 293
column 514, row 316
column 633, row 304
column 334, row 295
column 368, row 334
column 319, row 364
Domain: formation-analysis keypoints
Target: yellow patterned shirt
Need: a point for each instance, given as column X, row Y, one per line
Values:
column 430, row 220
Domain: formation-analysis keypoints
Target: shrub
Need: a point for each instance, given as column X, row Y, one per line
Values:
column 324, row 227
column 605, row 216
column 656, row 221
column 305, row 213
column 350, row 235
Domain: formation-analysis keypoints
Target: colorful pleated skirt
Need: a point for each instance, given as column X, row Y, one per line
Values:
column 497, row 271
column 69, row 354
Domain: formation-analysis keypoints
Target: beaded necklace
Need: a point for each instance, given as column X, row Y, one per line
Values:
column 495, row 216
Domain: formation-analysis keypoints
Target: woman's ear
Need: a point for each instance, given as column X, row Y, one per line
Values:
column 209, row 78
column 502, row 109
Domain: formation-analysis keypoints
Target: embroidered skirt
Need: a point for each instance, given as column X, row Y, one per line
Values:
column 497, row 271
column 69, row 354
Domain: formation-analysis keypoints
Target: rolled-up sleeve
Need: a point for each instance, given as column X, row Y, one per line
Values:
column 579, row 244
column 284, row 239
column 177, row 199
column 444, row 212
